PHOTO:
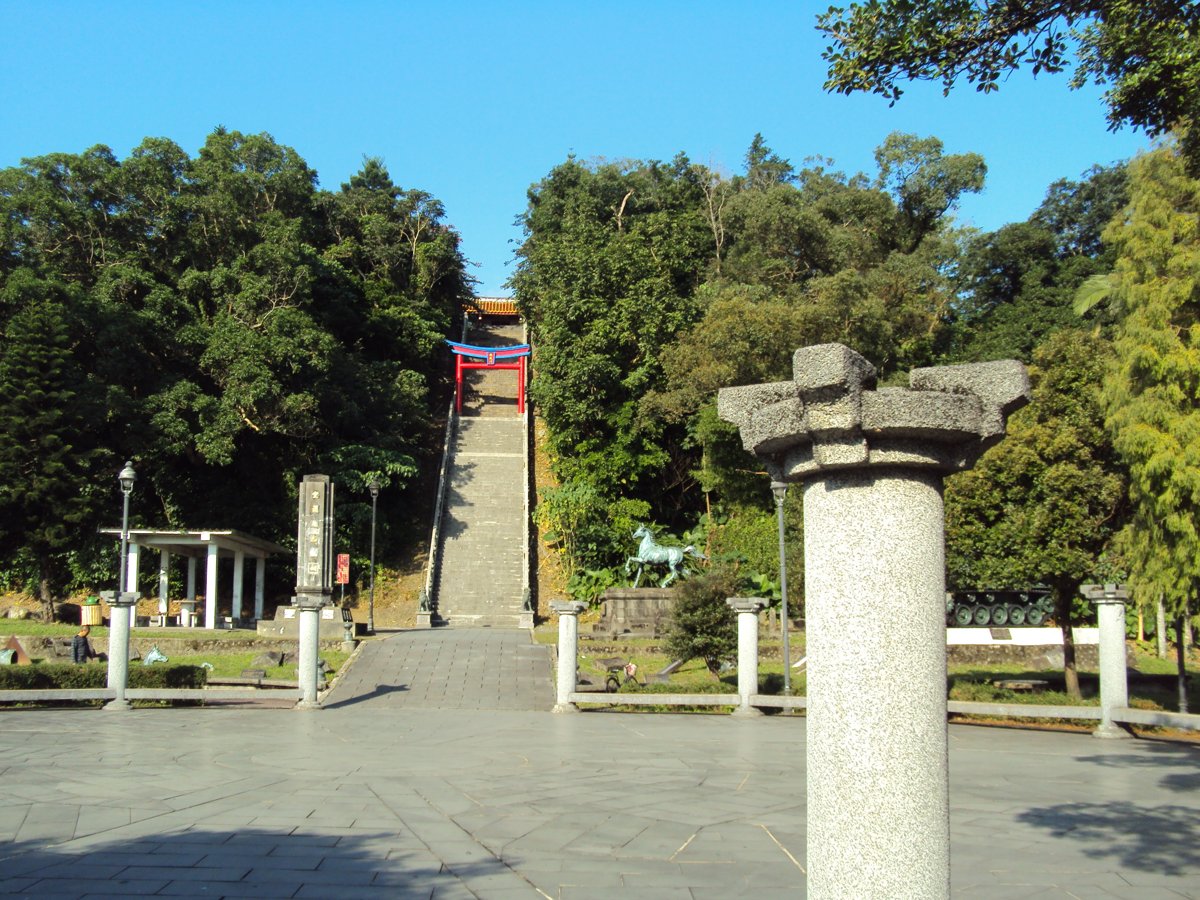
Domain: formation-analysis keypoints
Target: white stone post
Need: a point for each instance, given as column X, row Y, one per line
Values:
column 1114, row 684
column 210, row 587
column 747, row 609
column 871, row 464
column 568, row 649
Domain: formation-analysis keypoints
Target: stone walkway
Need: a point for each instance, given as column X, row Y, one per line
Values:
column 379, row 795
column 444, row 668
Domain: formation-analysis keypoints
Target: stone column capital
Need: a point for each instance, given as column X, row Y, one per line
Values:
column 831, row 417
column 311, row 600
column 1105, row 593
column 746, row 604
column 119, row 598
column 568, row 607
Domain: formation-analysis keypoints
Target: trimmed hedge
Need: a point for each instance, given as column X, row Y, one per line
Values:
column 65, row 676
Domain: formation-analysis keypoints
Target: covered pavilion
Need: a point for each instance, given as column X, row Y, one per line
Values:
column 211, row 546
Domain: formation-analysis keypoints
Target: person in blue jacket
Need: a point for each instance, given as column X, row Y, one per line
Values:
column 81, row 647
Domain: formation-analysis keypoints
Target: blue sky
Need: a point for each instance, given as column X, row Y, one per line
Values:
column 475, row 101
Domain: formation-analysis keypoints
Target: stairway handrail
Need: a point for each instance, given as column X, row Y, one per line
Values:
column 527, row 499
column 435, row 539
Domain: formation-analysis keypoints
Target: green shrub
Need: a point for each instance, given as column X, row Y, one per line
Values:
column 702, row 624
column 66, row 676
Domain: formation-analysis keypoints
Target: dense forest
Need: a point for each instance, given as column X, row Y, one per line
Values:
column 225, row 325
column 228, row 326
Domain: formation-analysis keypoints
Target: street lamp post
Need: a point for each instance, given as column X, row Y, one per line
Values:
column 373, row 487
column 121, row 602
column 126, row 478
column 779, row 489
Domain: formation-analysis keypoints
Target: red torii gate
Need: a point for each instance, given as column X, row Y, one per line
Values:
column 469, row 356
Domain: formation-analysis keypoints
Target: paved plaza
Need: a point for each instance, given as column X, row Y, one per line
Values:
column 410, row 785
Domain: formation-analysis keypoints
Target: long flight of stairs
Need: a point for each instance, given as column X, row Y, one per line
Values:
column 482, row 554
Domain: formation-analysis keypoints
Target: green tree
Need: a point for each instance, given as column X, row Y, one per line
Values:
column 1041, row 506
column 1146, row 51
column 47, row 464
column 1151, row 394
column 1018, row 283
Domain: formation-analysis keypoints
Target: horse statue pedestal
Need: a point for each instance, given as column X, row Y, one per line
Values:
column 640, row 611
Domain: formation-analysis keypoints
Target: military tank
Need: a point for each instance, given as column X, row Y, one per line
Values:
column 998, row 608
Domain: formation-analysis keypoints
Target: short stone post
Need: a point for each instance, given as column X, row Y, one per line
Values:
column 568, row 651
column 871, row 464
column 1114, row 678
column 120, row 616
column 314, row 579
column 747, row 609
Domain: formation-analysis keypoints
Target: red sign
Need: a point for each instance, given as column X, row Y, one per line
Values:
column 343, row 572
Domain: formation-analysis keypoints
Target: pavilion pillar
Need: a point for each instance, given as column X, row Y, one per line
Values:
column 191, row 579
column 871, row 464
column 260, row 582
column 210, row 587
column 164, row 581
column 131, row 568
column 239, row 578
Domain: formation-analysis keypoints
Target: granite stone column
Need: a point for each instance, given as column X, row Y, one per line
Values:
column 120, row 618
column 871, row 463
column 747, row 609
column 568, row 651
column 1114, row 678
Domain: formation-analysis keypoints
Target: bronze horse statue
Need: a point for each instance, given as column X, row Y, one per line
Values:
column 652, row 553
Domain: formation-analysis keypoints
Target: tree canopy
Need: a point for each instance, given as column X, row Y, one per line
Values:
column 1147, row 52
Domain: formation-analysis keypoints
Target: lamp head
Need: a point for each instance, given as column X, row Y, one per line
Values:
column 373, row 487
column 779, row 489
column 126, row 478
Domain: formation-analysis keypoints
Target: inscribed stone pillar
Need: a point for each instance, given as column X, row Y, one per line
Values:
column 1114, row 678
column 568, row 649
column 314, row 578
column 871, row 463
column 747, row 610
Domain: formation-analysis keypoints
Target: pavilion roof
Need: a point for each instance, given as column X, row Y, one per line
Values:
column 196, row 543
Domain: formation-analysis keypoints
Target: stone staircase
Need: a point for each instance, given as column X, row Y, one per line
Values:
column 480, row 577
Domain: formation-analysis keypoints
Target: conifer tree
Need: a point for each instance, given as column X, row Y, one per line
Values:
column 46, row 489
column 1152, row 393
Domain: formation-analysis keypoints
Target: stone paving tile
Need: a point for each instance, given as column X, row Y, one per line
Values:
column 380, row 799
